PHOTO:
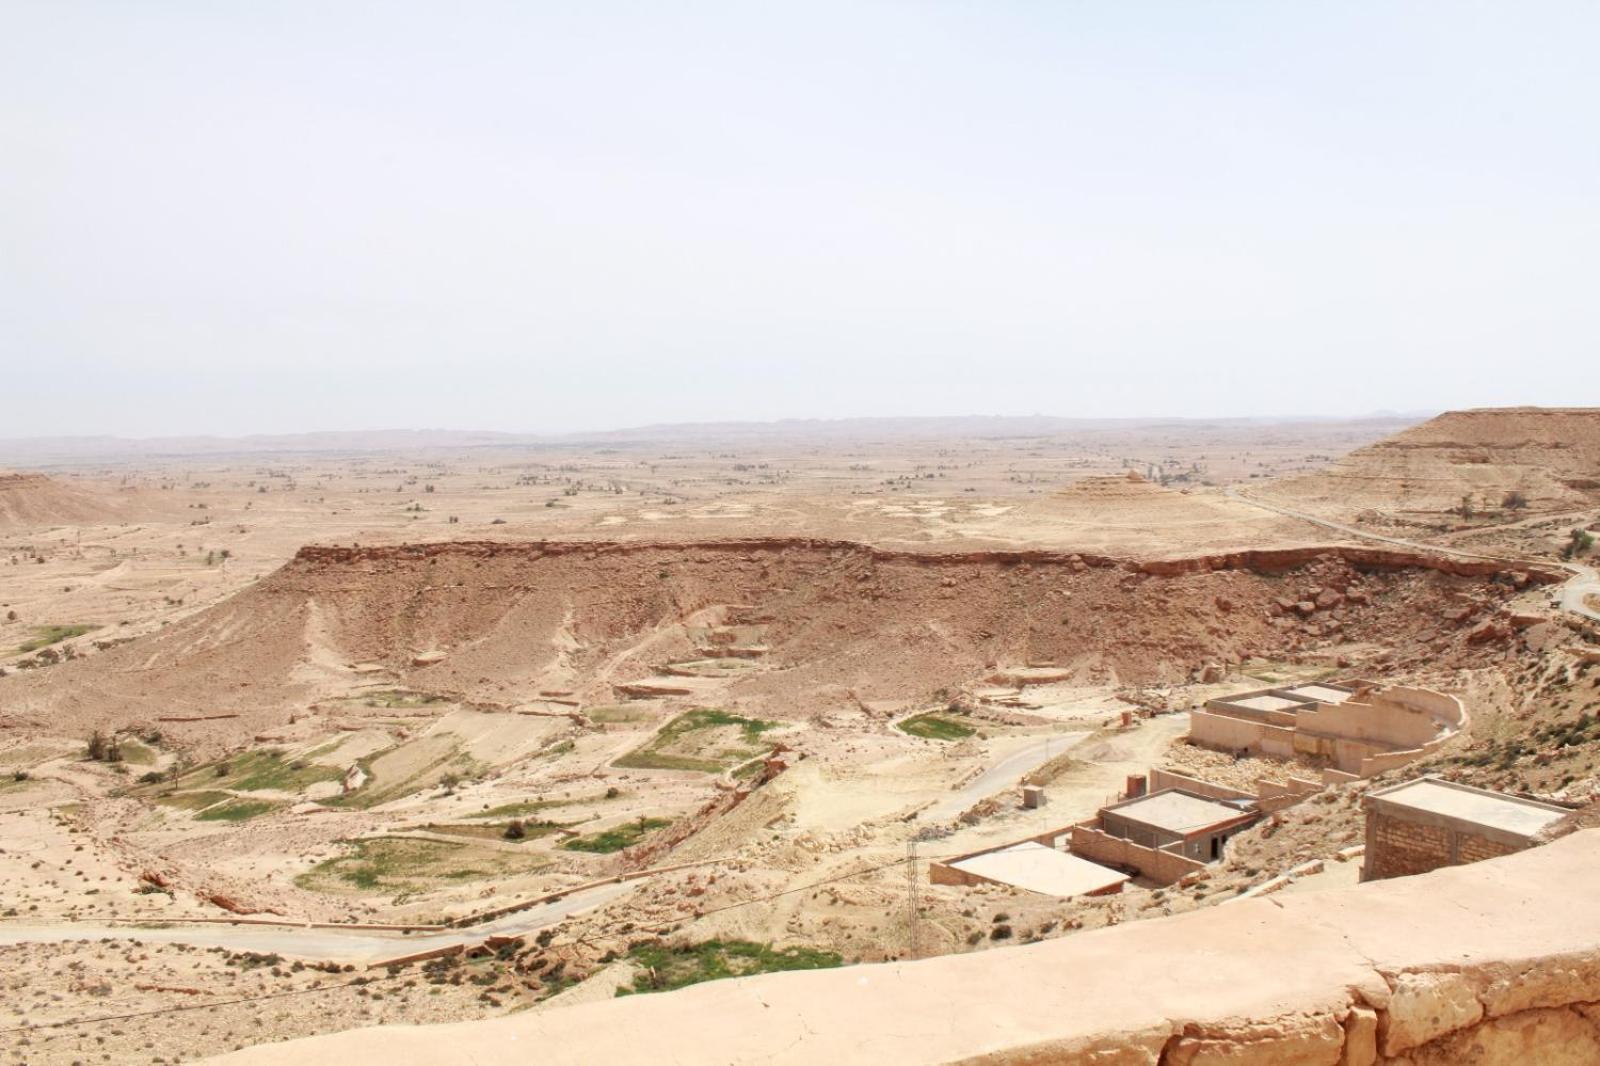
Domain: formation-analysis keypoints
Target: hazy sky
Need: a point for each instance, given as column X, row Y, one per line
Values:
column 535, row 216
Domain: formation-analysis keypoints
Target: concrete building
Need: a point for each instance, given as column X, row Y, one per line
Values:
column 1029, row 865
column 1180, row 821
column 1428, row 823
column 1352, row 729
column 1164, row 836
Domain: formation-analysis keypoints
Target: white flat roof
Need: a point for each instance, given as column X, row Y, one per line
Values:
column 1485, row 808
column 1033, row 866
column 1176, row 812
column 1265, row 703
column 1324, row 693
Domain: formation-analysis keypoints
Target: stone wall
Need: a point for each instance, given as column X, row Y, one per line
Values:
column 1158, row 864
column 1398, row 847
column 1161, row 780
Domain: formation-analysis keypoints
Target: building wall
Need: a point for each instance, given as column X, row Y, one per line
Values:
column 1365, row 736
column 1160, row 780
column 1226, row 733
column 1115, row 825
column 1158, row 865
column 1276, row 795
column 1397, row 847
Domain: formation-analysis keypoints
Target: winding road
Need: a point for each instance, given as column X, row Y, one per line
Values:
column 1003, row 774
column 1584, row 582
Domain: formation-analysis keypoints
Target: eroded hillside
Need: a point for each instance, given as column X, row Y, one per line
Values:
column 824, row 624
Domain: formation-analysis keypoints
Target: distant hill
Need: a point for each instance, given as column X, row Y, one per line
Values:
column 45, row 451
column 32, row 501
column 1551, row 456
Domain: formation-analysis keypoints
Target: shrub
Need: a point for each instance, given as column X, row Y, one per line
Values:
column 102, row 748
column 515, row 830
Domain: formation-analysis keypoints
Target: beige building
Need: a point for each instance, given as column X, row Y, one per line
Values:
column 1164, row 836
column 1428, row 823
column 1353, row 729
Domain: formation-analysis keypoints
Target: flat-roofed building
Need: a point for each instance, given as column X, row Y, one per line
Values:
column 1348, row 729
column 1033, row 866
column 1424, row 824
column 1179, row 822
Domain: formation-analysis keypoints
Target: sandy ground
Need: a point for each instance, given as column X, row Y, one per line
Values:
column 377, row 781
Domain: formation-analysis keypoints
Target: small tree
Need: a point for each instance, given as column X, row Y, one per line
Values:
column 1514, row 501
column 1464, row 509
column 95, row 750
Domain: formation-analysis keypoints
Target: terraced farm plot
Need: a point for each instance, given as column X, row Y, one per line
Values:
column 711, row 668
column 707, row 740
column 192, row 801
column 44, row 636
column 625, row 835
column 531, row 830
column 523, row 808
column 236, row 809
column 407, row 769
column 664, row 967
column 394, row 864
column 399, row 699
column 259, row 771
column 617, row 714
column 936, row 727
column 1275, row 672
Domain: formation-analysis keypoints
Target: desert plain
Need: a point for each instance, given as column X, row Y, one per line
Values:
column 301, row 735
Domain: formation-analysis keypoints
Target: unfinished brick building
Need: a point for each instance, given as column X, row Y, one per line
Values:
column 1428, row 823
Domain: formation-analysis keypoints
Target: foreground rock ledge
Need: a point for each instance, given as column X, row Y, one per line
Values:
column 1493, row 963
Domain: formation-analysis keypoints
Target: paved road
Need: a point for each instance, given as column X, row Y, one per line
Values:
column 325, row 945
column 1585, row 583
column 1003, row 774
column 1585, row 580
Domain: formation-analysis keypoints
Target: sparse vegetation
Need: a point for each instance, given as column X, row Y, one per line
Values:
column 236, row 810
column 706, row 740
column 665, row 967
column 44, row 636
column 625, row 835
column 260, row 771
column 102, row 748
column 932, row 726
column 395, row 864
column 1579, row 542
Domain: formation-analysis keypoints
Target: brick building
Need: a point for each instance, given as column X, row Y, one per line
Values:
column 1428, row 823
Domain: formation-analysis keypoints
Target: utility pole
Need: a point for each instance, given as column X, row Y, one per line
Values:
column 913, row 902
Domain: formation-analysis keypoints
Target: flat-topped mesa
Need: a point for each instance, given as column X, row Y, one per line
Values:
column 1259, row 560
column 495, row 622
column 1544, row 459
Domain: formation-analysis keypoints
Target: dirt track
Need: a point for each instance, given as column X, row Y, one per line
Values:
column 319, row 944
